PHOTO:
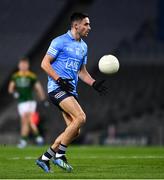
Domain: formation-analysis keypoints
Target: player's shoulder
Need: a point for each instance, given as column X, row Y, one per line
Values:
column 59, row 39
column 16, row 74
column 31, row 74
column 84, row 43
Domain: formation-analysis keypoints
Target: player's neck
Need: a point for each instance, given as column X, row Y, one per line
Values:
column 23, row 72
column 75, row 35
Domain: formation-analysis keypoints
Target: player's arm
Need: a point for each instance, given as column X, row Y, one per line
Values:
column 98, row 85
column 46, row 66
column 11, row 87
column 40, row 91
column 85, row 76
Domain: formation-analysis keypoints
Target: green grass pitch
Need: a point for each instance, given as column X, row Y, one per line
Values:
column 89, row 162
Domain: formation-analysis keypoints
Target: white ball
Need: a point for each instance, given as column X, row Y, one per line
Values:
column 108, row 64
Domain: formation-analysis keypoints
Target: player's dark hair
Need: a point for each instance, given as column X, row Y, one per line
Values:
column 24, row 58
column 76, row 16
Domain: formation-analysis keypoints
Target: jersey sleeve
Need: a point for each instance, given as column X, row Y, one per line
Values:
column 85, row 60
column 55, row 47
column 85, row 57
column 13, row 77
column 34, row 78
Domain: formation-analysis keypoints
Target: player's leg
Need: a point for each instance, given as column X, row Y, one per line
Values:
column 24, row 125
column 68, row 119
column 43, row 161
column 33, row 126
column 72, row 109
column 24, row 130
column 57, row 97
column 61, row 161
column 57, row 141
column 33, row 122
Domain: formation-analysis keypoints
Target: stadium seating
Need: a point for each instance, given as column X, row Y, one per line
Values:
column 116, row 21
column 23, row 24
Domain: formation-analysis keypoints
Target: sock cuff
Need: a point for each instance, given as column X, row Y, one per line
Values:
column 51, row 151
column 62, row 147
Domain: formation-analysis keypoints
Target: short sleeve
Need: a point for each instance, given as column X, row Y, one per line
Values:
column 55, row 47
column 13, row 77
column 86, row 53
column 33, row 77
column 85, row 60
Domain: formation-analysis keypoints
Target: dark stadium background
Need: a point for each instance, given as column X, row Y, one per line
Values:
column 133, row 111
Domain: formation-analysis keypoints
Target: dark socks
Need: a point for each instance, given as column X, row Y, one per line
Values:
column 48, row 154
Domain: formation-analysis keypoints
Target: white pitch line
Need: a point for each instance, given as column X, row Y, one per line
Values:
column 126, row 157
column 26, row 158
column 15, row 158
column 95, row 157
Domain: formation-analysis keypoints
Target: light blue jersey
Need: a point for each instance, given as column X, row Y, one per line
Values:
column 69, row 55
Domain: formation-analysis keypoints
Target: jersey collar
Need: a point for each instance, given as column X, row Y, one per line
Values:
column 71, row 36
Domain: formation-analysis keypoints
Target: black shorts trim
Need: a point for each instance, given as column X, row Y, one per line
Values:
column 59, row 95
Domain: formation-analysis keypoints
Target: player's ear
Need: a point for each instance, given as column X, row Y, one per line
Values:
column 75, row 25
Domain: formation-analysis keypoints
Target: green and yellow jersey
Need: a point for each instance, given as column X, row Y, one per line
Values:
column 24, row 83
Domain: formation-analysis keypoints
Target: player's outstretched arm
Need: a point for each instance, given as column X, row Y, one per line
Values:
column 98, row 85
column 85, row 76
column 40, row 91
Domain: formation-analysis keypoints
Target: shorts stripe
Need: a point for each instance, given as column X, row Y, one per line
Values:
column 58, row 95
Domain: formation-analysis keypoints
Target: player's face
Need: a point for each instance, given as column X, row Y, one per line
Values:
column 83, row 27
column 23, row 66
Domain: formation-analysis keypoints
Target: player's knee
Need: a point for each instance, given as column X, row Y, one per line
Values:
column 24, row 120
column 81, row 118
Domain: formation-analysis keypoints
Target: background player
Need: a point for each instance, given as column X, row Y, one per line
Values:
column 64, row 62
column 22, row 84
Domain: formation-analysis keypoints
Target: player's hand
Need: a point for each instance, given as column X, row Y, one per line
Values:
column 100, row 87
column 65, row 84
column 15, row 95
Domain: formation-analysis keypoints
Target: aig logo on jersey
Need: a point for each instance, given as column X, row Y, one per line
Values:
column 73, row 64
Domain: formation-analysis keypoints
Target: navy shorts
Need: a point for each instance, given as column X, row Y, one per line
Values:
column 58, row 95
